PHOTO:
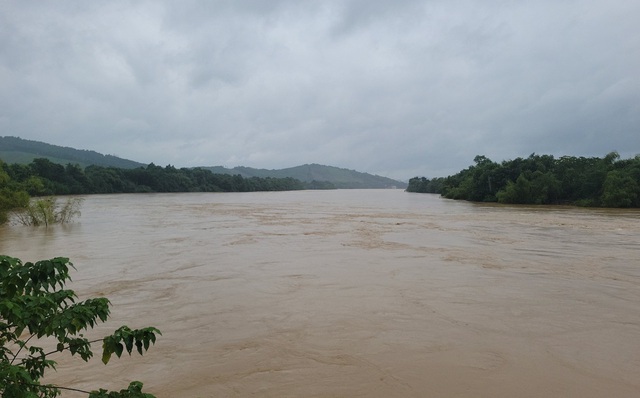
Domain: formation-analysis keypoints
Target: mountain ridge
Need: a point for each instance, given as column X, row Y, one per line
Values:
column 19, row 150
column 339, row 177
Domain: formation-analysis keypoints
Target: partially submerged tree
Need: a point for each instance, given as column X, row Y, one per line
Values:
column 48, row 210
column 35, row 306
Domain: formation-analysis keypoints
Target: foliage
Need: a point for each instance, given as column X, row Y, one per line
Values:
column 12, row 196
column 34, row 306
column 44, row 178
column 425, row 185
column 18, row 150
column 134, row 391
column 543, row 179
column 48, row 210
column 620, row 190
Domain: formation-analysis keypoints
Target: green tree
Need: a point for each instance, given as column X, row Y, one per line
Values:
column 11, row 195
column 542, row 179
column 620, row 190
column 545, row 188
column 34, row 306
column 518, row 192
column 53, row 176
column 76, row 180
column 418, row 184
column 108, row 180
column 459, row 186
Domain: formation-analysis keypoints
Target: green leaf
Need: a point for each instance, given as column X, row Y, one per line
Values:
column 139, row 346
column 128, row 341
column 118, row 349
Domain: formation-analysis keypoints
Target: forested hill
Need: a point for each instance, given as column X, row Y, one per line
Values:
column 316, row 174
column 543, row 179
column 18, row 150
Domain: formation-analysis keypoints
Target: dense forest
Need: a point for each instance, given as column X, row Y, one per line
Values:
column 542, row 179
column 42, row 177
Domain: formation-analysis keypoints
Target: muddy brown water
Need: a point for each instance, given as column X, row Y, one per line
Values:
column 355, row 293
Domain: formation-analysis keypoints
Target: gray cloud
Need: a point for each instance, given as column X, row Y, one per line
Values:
column 395, row 88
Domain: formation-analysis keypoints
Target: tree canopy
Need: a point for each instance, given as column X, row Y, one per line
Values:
column 43, row 177
column 543, row 179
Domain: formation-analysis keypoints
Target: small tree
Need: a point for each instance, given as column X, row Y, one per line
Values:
column 45, row 211
column 34, row 305
column 620, row 190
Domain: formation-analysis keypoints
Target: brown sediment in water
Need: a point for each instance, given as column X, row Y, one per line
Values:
column 356, row 293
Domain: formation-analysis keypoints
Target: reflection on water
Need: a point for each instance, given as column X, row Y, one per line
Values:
column 356, row 294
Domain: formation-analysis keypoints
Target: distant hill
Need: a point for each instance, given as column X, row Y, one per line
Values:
column 18, row 150
column 338, row 177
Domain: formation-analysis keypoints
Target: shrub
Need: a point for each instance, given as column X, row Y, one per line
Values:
column 46, row 211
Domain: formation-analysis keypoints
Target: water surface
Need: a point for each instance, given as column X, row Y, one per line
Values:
column 355, row 293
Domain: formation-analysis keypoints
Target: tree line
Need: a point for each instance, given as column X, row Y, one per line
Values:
column 542, row 179
column 42, row 177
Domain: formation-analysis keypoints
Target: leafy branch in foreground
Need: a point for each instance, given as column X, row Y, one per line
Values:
column 34, row 305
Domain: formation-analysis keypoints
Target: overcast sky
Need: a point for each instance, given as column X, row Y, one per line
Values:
column 397, row 88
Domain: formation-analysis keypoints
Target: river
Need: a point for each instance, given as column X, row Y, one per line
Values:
column 354, row 293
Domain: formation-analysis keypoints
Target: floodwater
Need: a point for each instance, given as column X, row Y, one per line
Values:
column 354, row 293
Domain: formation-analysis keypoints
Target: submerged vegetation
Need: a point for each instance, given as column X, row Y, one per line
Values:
column 543, row 179
column 48, row 210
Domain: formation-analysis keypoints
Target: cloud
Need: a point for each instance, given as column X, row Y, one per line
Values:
column 400, row 89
